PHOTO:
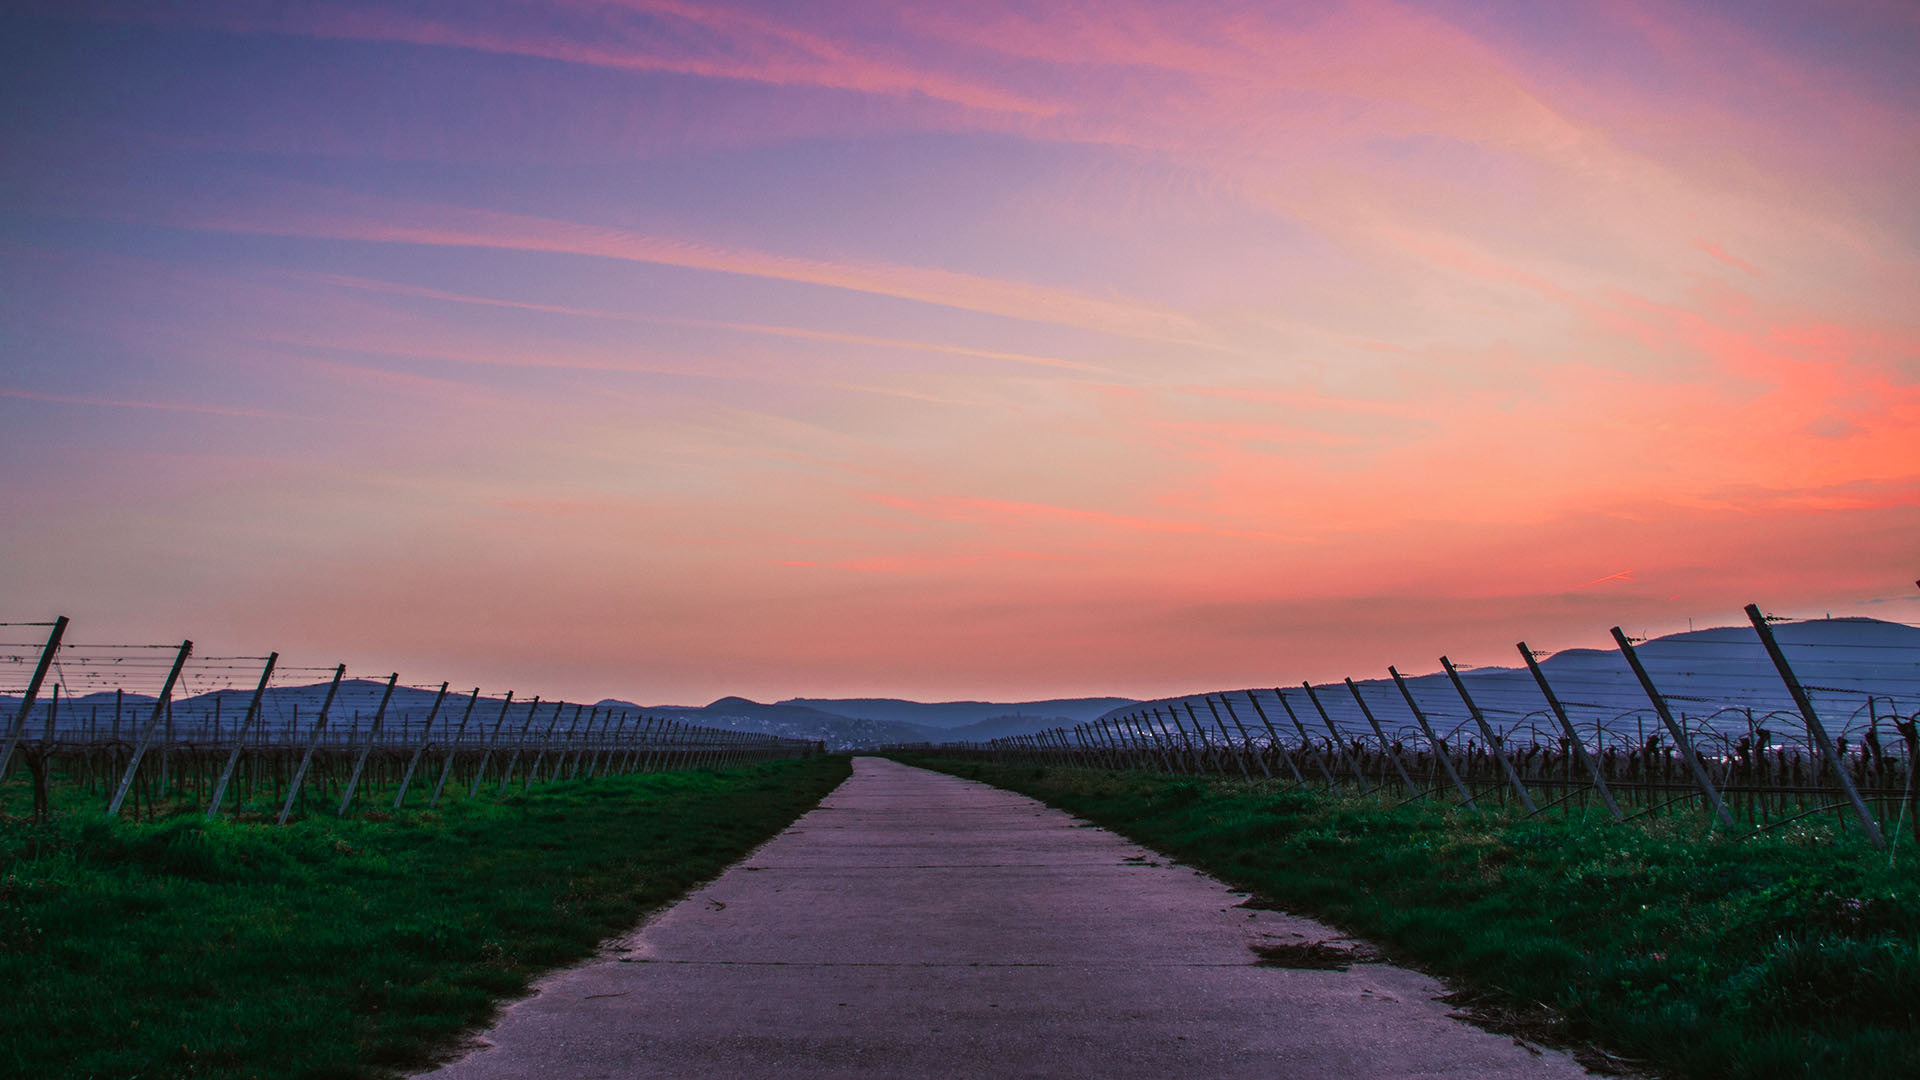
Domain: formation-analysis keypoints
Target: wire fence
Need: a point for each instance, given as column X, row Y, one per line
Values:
column 150, row 730
column 1759, row 726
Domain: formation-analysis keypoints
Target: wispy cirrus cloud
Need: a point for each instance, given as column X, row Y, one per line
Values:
column 796, row 332
column 200, row 408
column 383, row 221
column 666, row 36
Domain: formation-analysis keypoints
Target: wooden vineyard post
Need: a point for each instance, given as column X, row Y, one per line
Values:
column 1199, row 750
column 519, row 744
column 593, row 763
column 1164, row 740
column 1118, row 754
column 1814, row 726
column 1306, row 741
column 1164, row 736
column 1439, row 745
column 20, row 715
column 1193, row 752
column 240, row 736
column 1679, row 734
column 567, row 746
column 1129, row 726
column 453, row 747
column 146, row 733
column 1246, row 739
column 644, row 748
column 1156, row 738
column 1101, row 750
column 644, row 740
column 426, row 735
column 533, row 768
column 373, row 734
column 579, row 754
column 306, row 759
column 486, row 752
column 1273, row 737
column 1110, row 751
column 652, row 746
column 1338, row 743
column 631, row 730
column 1566, row 725
column 1131, row 753
column 1380, row 733
column 1494, row 744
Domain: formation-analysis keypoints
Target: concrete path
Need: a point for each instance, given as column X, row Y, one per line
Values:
column 916, row 925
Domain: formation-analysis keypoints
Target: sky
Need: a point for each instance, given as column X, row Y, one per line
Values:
column 665, row 349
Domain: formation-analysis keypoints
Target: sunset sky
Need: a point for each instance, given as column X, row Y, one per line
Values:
column 667, row 350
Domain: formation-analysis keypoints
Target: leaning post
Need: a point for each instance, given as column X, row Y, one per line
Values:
column 19, row 724
column 453, row 746
column 1679, row 733
column 1439, row 745
column 1339, row 743
column 1814, row 726
column 146, row 733
column 1306, row 741
column 1381, row 734
column 1566, row 725
column 520, row 743
column 426, row 735
column 240, row 736
column 486, row 752
column 546, row 740
column 373, row 735
column 306, row 760
column 1279, row 747
column 1239, row 759
column 1494, row 745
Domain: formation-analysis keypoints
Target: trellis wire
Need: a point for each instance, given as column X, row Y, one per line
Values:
column 151, row 730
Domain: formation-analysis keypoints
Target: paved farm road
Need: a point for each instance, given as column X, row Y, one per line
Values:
column 916, row 925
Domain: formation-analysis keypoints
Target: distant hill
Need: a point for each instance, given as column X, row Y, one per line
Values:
column 955, row 715
column 293, row 709
column 793, row 721
column 1720, row 676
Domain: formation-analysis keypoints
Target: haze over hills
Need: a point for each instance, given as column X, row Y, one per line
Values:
column 961, row 714
column 853, row 723
column 793, row 721
column 356, row 701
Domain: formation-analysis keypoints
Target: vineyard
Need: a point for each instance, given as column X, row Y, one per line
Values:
column 1758, row 726
column 148, row 730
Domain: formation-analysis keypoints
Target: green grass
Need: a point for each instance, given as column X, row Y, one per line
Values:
column 342, row 948
column 1790, row 955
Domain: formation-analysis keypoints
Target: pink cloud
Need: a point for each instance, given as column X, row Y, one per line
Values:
column 800, row 333
column 733, row 45
column 160, row 406
column 384, row 221
column 1010, row 512
column 1720, row 253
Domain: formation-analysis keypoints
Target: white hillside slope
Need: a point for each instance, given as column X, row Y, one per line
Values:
column 1718, row 680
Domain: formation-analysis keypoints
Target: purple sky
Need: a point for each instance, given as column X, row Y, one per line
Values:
column 667, row 350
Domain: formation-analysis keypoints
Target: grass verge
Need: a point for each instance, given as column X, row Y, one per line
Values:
column 343, row 948
column 1795, row 954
